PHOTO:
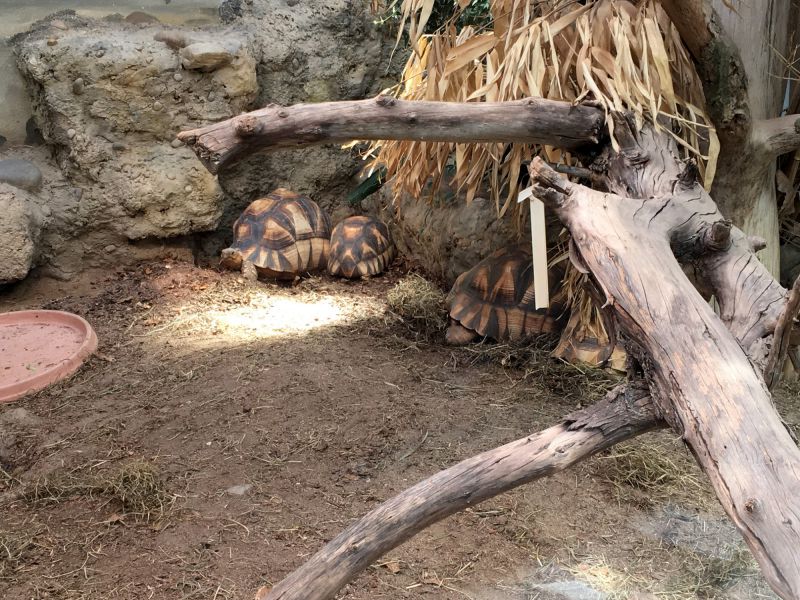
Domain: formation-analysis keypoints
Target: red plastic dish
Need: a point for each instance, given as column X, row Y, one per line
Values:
column 40, row 347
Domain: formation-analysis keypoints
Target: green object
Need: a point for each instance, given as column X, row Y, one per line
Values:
column 367, row 187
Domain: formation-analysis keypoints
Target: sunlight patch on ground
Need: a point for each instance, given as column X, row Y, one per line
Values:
column 209, row 322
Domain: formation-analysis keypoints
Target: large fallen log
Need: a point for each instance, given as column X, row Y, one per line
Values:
column 533, row 120
column 715, row 398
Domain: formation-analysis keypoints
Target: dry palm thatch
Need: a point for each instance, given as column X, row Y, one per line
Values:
column 617, row 54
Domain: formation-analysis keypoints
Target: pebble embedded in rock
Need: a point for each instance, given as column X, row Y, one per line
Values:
column 118, row 146
column 187, row 189
column 176, row 143
column 71, row 133
column 239, row 490
column 157, row 106
column 110, row 248
column 205, row 56
column 59, row 24
column 177, row 77
column 20, row 173
column 138, row 17
column 77, row 86
column 52, row 41
column 174, row 39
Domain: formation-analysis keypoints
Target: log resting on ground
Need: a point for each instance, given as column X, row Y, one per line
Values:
column 715, row 398
column 533, row 120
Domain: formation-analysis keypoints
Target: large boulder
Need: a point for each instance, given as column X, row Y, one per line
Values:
column 444, row 235
column 20, row 228
column 109, row 98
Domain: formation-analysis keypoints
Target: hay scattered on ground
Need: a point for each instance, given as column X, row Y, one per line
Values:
column 648, row 473
column 419, row 305
column 136, row 486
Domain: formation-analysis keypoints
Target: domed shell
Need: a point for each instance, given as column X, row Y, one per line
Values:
column 495, row 298
column 360, row 247
column 283, row 234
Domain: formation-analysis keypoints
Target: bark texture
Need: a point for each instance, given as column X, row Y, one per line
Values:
column 533, row 120
column 632, row 245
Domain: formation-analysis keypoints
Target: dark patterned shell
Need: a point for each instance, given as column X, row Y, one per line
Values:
column 360, row 246
column 282, row 234
column 495, row 298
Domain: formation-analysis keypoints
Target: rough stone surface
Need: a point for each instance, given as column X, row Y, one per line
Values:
column 20, row 227
column 114, row 139
column 444, row 236
column 206, row 56
column 20, row 173
column 112, row 134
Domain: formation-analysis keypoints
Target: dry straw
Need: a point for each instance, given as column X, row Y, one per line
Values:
column 617, row 54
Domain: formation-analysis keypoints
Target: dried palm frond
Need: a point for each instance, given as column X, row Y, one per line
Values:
column 621, row 55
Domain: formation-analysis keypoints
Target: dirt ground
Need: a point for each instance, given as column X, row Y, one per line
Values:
column 225, row 431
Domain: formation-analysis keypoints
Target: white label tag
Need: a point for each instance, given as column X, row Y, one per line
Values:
column 541, row 285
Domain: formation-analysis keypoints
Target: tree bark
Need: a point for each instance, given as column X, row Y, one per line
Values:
column 533, row 120
column 736, row 54
column 716, row 399
column 625, row 413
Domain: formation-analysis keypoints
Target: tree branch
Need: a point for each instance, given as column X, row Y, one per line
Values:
column 778, row 136
column 533, row 120
column 715, row 398
column 782, row 336
column 625, row 413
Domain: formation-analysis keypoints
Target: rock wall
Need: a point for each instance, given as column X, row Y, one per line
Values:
column 110, row 95
column 444, row 236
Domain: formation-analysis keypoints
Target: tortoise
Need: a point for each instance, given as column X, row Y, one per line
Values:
column 495, row 299
column 360, row 247
column 280, row 236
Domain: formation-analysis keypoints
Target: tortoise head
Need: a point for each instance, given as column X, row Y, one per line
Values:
column 231, row 258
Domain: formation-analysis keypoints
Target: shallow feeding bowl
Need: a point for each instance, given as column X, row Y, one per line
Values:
column 40, row 347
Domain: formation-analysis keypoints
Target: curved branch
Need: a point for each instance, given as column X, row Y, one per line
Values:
column 533, row 120
column 625, row 413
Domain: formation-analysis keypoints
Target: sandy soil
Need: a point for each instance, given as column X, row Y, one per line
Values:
column 226, row 430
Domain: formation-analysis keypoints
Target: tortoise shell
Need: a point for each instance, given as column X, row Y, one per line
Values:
column 283, row 235
column 495, row 299
column 360, row 247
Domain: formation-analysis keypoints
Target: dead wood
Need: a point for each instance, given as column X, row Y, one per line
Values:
column 782, row 337
column 778, row 136
column 715, row 398
column 626, row 412
column 533, row 120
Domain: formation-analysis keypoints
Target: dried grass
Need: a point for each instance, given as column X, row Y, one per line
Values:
column 618, row 54
column 418, row 304
column 136, row 486
column 646, row 473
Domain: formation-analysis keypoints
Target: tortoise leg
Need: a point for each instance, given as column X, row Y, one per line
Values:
column 458, row 335
column 249, row 271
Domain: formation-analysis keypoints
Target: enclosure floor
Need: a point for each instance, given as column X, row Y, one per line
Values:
column 310, row 396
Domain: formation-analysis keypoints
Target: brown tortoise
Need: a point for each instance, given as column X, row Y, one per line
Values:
column 495, row 299
column 360, row 247
column 280, row 236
